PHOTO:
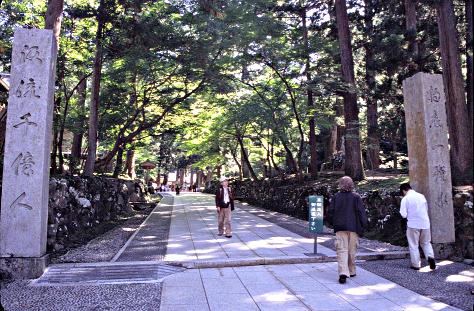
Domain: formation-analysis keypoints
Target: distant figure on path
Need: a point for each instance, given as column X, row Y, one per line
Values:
column 225, row 206
column 178, row 188
column 349, row 220
column 414, row 208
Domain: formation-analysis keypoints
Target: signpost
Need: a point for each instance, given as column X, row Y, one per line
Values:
column 315, row 220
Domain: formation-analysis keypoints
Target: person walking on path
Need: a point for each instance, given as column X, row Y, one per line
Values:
column 225, row 206
column 414, row 208
column 349, row 220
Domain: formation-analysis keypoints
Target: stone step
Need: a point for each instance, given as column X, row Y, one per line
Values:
column 106, row 273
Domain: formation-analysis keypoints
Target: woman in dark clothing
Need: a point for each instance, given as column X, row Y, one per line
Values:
column 349, row 220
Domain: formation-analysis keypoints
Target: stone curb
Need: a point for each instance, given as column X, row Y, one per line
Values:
column 257, row 261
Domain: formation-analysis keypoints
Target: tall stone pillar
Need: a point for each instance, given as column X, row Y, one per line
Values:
column 25, row 187
column 428, row 152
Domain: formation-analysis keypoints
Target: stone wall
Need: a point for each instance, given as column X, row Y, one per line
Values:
column 78, row 204
column 382, row 205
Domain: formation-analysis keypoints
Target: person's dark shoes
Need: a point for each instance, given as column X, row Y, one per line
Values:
column 228, row 236
column 432, row 263
column 342, row 279
column 353, row 275
column 220, row 234
column 414, row 268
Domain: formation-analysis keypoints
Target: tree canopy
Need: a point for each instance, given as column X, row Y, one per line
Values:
column 252, row 89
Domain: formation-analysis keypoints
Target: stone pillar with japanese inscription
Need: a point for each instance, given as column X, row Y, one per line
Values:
column 428, row 151
column 25, row 188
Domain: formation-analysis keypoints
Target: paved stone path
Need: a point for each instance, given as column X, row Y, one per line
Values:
column 240, row 277
column 193, row 234
column 149, row 242
column 287, row 287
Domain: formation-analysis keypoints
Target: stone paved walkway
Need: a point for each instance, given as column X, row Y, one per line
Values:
column 193, row 234
column 193, row 239
column 287, row 287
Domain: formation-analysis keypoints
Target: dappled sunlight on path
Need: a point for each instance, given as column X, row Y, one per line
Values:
column 288, row 287
column 193, row 234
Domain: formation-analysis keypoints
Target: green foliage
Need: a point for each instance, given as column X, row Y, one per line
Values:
column 183, row 82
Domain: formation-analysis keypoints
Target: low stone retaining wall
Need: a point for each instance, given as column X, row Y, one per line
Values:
column 385, row 222
column 78, row 204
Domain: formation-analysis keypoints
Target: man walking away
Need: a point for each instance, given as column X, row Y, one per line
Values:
column 414, row 208
column 349, row 220
column 225, row 206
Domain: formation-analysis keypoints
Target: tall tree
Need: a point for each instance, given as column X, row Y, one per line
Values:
column 469, row 65
column 313, row 167
column 76, row 148
column 54, row 18
column 373, row 140
column 353, row 164
column 94, row 103
column 460, row 132
column 411, row 33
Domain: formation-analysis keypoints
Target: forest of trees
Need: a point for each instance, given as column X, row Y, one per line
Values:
column 254, row 89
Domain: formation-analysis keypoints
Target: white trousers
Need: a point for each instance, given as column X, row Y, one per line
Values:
column 417, row 238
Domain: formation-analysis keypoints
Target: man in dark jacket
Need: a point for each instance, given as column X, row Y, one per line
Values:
column 349, row 220
column 225, row 206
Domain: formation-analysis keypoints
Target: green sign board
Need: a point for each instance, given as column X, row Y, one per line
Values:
column 316, row 211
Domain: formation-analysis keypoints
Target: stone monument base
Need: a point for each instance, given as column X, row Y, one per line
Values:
column 24, row 267
column 444, row 250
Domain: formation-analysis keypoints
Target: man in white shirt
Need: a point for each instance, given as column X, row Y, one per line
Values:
column 414, row 208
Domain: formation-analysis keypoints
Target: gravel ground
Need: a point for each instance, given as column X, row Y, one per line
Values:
column 20, row 296
column 300, row 227
column 450, row 283
column 105, row 246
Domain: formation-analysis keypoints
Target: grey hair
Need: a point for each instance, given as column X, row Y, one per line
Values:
column 346, row 184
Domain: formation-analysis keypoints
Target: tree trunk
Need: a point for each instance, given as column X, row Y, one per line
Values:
column 181, row 173
column 460, row 134
column 191, row 179
column 313, row 165
column 54, row 149
column 118, row 164
column 411, row 33
column 395, row 150
column 76, row 150
column 373, row 140
column 54, row 18
column 339, row 110
column 353, row 163
column 208, row 176
column 233, row 152
column 165, row 178
column 332, row 146
column 272, row 156
column 130, row 163
column 245, row 158
column 94, row 105
column 61, row 135
column 469, row 65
